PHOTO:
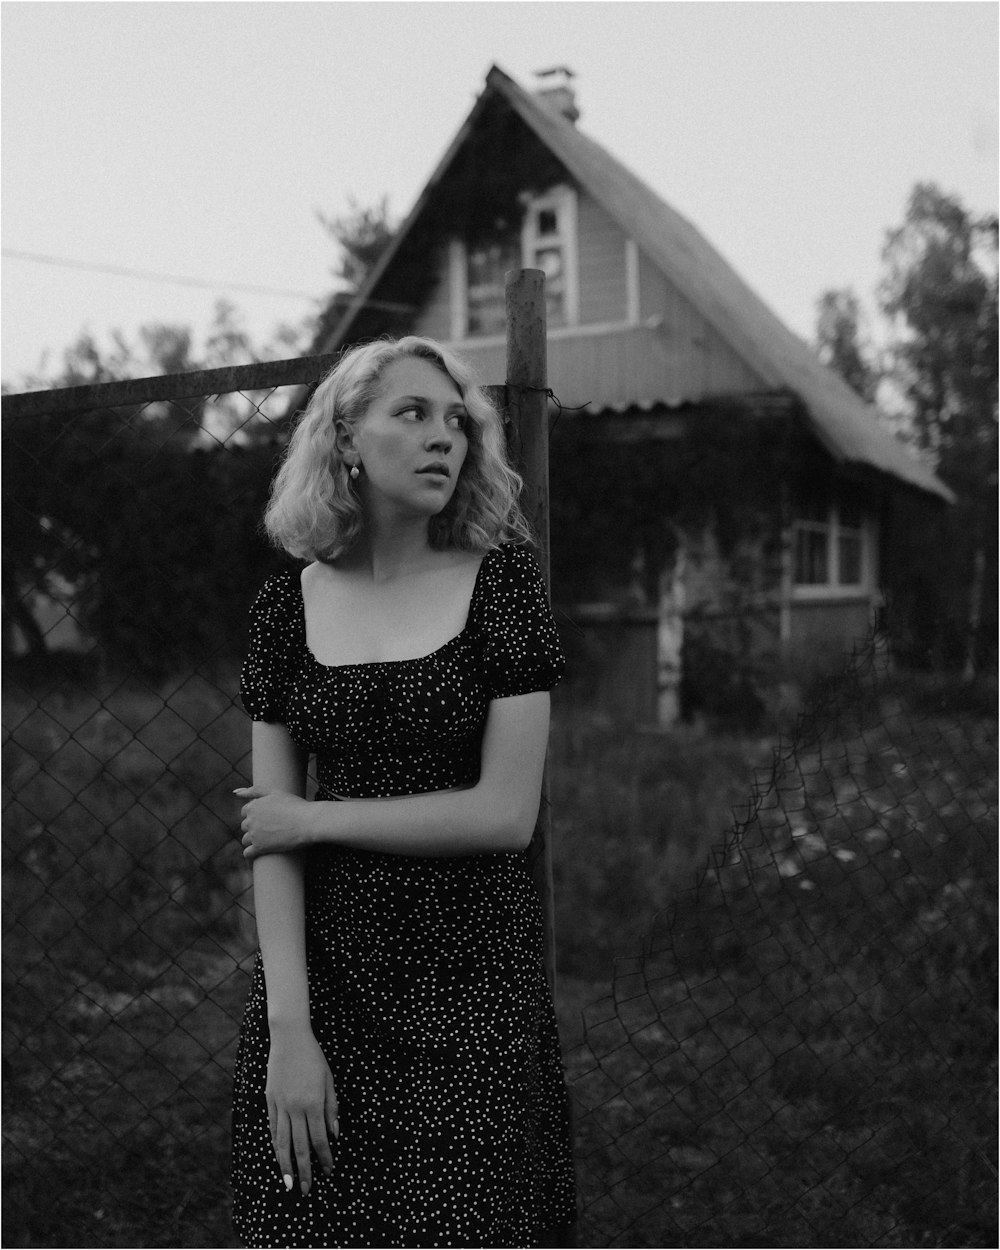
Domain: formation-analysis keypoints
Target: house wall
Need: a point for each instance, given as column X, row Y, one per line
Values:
column 601, row 270
column 606, row 368
column 612, row 665
column 730, row 611
column 699, row 361
column 672, row 354
column 434, row 318
column 601, row 248
column 823, row 631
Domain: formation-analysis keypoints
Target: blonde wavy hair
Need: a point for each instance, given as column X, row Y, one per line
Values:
column 315, row 514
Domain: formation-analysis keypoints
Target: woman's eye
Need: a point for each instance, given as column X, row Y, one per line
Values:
column 459, row 420
column 413, row 413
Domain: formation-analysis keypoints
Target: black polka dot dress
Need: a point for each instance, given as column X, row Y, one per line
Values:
column 427, row 988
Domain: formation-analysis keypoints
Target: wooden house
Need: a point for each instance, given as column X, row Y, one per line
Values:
column 677, row 358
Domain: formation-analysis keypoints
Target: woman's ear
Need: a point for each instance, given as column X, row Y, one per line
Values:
column 344, row 437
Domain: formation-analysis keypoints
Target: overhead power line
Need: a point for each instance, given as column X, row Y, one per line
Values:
column 147, row 275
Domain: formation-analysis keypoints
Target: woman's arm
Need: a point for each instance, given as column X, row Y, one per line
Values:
column 497, row 814
column 301, row 1102
column 279, row 898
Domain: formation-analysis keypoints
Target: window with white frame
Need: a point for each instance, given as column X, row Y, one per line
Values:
column 548, row 242
column 478, row 268
column 832, row 546
column 486, row 265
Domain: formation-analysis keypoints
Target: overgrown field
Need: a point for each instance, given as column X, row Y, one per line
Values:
column 802, row 1051
column 794, row 1048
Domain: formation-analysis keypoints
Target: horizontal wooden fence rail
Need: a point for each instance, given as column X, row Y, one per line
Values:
column 260, row 375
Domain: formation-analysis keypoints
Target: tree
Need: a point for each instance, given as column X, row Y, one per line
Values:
column 362, row 234
column 940, row 294
column 840, row 345
column 113, row 504
column 940, row 290
column 143, row 518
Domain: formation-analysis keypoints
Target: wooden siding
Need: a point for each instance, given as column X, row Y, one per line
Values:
column 701, row 362
column 601, row 248
column 673, row 356
column 601, row 270
column 825, row 630
column 613, row 669
column 606, row 368
column 489, row 359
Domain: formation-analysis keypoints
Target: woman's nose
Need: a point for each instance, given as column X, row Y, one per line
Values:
column 439, row 436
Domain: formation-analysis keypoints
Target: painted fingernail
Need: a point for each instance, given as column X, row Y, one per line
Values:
column 304, row 1187
column 288, row 1181
column 336, row 1128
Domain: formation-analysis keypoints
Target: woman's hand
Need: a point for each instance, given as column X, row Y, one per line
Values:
column 301, row 1105
column 272, row 821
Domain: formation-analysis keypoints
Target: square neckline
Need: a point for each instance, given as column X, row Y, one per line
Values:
column 416, row 659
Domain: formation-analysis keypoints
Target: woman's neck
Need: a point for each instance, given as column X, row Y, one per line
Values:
column 391, row 551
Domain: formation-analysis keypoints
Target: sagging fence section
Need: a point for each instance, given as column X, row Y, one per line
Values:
column 802, row 1051
column 799, row 1050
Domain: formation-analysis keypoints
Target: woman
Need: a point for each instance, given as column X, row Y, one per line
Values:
column 398, row 1081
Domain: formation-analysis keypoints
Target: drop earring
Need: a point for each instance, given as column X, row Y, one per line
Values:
column 355, row 473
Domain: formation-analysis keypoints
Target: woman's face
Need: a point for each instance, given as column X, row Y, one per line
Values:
column 411, row 441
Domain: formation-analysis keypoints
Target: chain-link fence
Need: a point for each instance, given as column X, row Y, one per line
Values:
column 131, row 553
column 800, row 1052
column 804, row 1051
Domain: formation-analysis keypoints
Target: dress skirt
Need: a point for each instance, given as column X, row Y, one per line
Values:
column 429, row 999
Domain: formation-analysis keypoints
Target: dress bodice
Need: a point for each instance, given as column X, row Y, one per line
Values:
column 403, row 726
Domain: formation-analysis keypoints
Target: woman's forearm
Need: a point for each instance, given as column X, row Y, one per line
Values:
column 279, row 902
column 476, row 821
column 495, row 815
column 279, row 889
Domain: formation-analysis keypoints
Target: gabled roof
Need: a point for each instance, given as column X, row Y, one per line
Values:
column 846, row 427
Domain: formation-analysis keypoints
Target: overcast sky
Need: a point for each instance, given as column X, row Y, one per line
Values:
column 199, row 139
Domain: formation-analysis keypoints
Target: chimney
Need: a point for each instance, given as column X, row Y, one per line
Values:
column 555, row 88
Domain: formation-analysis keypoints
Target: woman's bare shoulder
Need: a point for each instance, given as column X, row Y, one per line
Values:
column 320, row 574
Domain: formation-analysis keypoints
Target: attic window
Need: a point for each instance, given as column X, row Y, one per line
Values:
column 486, row 265
column 548, row 242
column 477, row 268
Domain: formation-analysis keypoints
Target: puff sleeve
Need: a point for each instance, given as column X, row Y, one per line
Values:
column 273, row 632
column 521, row 652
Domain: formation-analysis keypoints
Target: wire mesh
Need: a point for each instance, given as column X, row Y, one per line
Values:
column 128, row 925
column 803, row 1053
column 800, row 1051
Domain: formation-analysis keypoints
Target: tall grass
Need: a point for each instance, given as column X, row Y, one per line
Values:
column 635, row 816
column 126, row 938
column 802, row 1051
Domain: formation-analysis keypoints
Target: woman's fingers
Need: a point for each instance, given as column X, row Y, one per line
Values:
column 296, row 1135
column 281, row 1138
column 331, row 1111
column 300, row 1147
column 320, row 1142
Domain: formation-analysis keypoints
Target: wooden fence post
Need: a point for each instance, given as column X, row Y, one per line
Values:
column 527, row 400
column 528, row 438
